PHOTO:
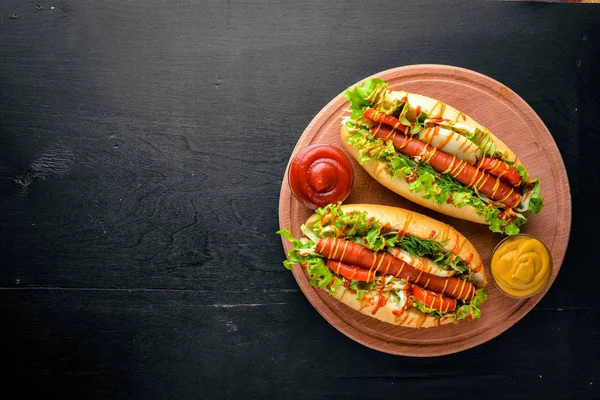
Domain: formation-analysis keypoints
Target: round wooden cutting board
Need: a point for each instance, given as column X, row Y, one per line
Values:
column 510, row 118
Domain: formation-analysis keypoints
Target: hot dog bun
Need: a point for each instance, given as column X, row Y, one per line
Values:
column 398, row 185
column 419, row 225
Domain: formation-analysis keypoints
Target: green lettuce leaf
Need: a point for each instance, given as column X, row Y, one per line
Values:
column 522, row 172
column 332, row 221
column 362, row 288
column 513, row 227
column 471, row 310
column 418, row 124
column 355, row 226
column 303, row 254
column 484, row 141
column 358, row 95
column 536, row 202
column 450, row 261
column 491, row 215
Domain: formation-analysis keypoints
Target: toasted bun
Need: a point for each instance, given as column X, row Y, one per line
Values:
column 398, row 185
column 421, row 226
column 438, row 109
column 411, row 318
column 417, row 225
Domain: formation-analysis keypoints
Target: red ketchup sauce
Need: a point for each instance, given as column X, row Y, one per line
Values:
column 320, row 174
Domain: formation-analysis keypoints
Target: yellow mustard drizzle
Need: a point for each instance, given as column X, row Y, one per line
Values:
column 401, row 269
column 337, row 246
column 473, row 178
column 496, row 186
column 447, row 140
column 388, row 266
column 344, row 251
column 512, row 189
column 380, row 261
column 438, row 110
column 481, row 181
column 521, row 266
column 447, row 170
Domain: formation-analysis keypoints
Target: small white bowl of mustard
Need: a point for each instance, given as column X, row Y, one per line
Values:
column 521, row 266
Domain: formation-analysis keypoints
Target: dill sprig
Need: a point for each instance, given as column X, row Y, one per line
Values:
column 420, row 247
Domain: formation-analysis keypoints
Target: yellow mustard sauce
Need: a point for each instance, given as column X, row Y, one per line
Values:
column 521, row 266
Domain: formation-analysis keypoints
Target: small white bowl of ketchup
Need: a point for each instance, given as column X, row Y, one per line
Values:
column 320, row 174
column 521, row 266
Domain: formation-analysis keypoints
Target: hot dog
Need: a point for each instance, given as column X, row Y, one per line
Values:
column 438, row 157
column 392, row 264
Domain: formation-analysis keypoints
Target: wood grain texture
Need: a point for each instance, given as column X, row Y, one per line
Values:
column 170, row 344
column 496, row 107
column 170, row 112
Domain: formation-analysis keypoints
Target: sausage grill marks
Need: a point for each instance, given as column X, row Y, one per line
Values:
column 357, row 255
column 390, row 128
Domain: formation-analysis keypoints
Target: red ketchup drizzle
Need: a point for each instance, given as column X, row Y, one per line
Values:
column 320, row 174
column 381, row 300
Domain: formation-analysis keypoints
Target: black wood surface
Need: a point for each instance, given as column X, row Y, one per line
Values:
column 142, row 148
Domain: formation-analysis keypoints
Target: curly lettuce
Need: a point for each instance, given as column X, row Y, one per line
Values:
column 303, row 254
column 361, row 96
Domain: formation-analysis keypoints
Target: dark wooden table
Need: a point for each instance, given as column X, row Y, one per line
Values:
column 142, row 149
